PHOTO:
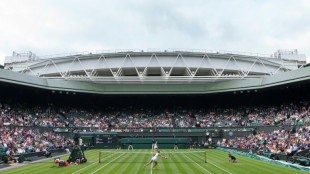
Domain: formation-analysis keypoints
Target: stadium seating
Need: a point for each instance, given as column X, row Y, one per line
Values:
column 55, row 120
column 58, row 116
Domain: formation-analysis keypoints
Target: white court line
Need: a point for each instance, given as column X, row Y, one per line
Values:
column 84, row 168
column 219, row 167
column 106, row 164
column 198, row 164
column 88, row 166
column 152, row 164
column 216, row 166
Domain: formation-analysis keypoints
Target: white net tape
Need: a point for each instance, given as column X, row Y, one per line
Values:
column 152, row 152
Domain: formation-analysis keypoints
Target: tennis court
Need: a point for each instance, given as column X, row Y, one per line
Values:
column 179, row 161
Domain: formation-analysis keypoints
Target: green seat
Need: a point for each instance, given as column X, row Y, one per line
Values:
column 146, row 130
column 254, row 124
column 269, row 155
column 198, row 130
column 164, row 130
column 304, row 162
column 21, row 159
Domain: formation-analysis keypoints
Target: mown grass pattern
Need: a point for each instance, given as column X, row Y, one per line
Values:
column 180, row 163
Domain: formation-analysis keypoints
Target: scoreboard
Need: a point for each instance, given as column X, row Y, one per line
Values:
column 106, row 139
column 215, row 134
column 100, row 139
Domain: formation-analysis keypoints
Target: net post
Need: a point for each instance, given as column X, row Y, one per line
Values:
column 99, row 157
column 205, row 157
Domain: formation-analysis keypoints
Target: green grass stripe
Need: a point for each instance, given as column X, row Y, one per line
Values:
column 162, row 167
column 182, row 163
column 217, row 156
column 222, row 162
column 126, row 162
column 103, row 166
column 94, row 165
column 113, row 164
column 177, row 163
column 92, row 162
column 200, row 159
column 116, row 164
column 169, row 166
column 197, row 165
column 71, row 167
column 33, row 168
column 41, row 167
column 265, row 165
column 222, row 165
column 145, row 158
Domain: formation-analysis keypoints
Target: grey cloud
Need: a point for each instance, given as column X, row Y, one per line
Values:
column 62, row 26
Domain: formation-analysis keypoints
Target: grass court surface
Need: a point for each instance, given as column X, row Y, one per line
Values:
column 183, row 163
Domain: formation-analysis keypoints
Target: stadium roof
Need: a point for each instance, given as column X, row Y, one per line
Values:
column 56, row 85
column 157, row 67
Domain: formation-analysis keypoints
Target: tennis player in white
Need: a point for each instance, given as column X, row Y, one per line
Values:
column 154, row 159
column 156, row 147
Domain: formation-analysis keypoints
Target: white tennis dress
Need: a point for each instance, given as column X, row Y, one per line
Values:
column 155, row 157
column 155, row 146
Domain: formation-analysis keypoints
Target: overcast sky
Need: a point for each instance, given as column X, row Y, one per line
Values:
column 62, row 26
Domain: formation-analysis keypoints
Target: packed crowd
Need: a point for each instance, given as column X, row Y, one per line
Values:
column 118, row 119
column 18, row 141
column 277, row 141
